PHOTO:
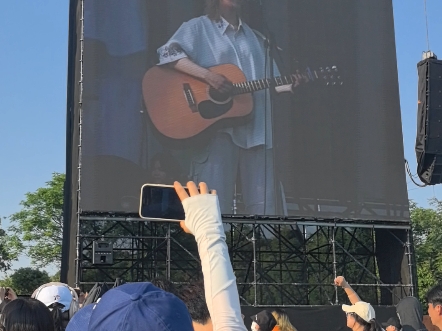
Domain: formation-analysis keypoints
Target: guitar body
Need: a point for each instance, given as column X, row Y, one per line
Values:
column 181, row 106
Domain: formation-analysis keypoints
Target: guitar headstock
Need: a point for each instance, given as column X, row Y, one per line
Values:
column 329, row 76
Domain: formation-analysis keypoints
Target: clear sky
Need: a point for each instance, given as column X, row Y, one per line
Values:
column 33, row 68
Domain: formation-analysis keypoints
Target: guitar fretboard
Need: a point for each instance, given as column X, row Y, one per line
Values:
column 261, row 84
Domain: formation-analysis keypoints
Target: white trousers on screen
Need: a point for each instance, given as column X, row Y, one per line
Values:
column 218, row 165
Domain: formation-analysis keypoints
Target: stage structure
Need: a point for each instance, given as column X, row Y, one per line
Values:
column 284, row 262
column 308, row 142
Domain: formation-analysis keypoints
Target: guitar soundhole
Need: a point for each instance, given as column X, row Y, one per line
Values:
column 219, row 97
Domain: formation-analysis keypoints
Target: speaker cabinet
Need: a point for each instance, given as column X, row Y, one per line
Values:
column 102, row 252
column 429, row 121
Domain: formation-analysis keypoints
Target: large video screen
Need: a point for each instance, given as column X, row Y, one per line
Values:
column 285, row 107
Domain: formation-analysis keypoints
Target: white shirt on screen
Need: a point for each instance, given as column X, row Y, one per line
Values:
column 209, row 43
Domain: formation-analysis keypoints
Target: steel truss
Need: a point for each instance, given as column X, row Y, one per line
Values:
column 276, row 262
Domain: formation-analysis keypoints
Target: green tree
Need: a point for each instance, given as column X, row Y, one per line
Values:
column 6, row 282
column 427, row 236
column 5, row 256
column 25, row 280
column 37, row 229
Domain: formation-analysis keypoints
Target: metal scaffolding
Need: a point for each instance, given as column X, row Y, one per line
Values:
column 276, row 262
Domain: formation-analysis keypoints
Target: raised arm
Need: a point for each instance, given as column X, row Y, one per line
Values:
column 352, row 295
column 203, row 220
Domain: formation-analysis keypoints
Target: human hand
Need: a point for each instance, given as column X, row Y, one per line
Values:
column 7, row 294
column 11, row 294
column 340, row 281
column 193, row 191
column 298, row 79
column 218, row 82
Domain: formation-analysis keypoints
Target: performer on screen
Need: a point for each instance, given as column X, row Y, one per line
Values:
column 244, row 151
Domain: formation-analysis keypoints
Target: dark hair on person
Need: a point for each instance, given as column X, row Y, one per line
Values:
column 212, row 10
column 368, row 326
column 434, row 295
column 164, row 284
column 58, row 317
column 193, row 297
column 26, row 315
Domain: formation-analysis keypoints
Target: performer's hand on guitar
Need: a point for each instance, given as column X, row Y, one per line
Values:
column 218, row 82
column 299, row 79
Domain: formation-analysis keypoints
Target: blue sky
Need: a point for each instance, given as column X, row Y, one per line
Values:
column 33, row 68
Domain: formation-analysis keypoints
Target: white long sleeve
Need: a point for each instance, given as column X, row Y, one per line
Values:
column 203, row 219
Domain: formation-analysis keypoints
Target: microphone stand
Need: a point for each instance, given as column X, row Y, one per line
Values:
column 270, row 46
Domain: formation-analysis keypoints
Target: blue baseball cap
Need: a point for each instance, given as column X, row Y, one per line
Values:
column 135, row 306
column 80, row 321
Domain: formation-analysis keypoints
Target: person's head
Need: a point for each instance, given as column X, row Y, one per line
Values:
column 26, row 315
column 59, row 294
column 61, row 300
column 263, row 321
column 434, row 300
column 135, row 306
column 282, row 320
column 410, row 313
column 213, row 7
column 361, row 315
column 392, row 324
column 195, row 301
column 164, row 284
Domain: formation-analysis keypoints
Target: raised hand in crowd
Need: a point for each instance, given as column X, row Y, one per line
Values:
column 203, row 220
column 7, row 294
column 340, row 281
column 351, row 294
column 142, row 306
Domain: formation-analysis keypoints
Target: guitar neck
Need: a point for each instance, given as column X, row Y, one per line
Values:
column 261, row 84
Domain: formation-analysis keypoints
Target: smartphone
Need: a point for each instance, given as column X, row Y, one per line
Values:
column 160, row 202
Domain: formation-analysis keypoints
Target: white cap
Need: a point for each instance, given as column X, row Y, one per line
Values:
column 55, row 293
column 363, row 309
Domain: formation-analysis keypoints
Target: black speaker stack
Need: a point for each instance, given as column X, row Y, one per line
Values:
column 429, row 121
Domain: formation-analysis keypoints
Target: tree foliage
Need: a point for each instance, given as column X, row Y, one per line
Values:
column 26, row 280
column 427, row 236
column 37, row 229
column 5, row 257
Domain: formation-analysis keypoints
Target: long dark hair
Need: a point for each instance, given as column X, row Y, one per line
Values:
column 58, row 317
column 26, row 315
column 368, row 326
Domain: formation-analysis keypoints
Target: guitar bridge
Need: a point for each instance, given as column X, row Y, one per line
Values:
column 189, row 97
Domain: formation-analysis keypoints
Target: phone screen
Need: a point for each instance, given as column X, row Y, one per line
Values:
column 161, row 202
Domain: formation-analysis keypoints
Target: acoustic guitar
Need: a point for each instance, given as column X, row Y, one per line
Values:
column 181, row 106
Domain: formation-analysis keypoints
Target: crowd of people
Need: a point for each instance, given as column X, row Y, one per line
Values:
column 211, row 305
